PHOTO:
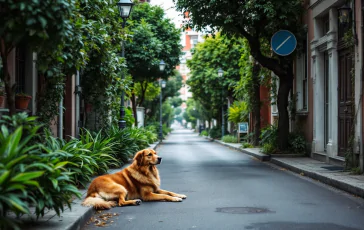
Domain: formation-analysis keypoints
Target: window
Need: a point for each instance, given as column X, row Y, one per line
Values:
column 326, row 25
column 194, row 40
column 301, row 75
column 304, row 80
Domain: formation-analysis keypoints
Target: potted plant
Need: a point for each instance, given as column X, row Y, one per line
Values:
column 22, row 101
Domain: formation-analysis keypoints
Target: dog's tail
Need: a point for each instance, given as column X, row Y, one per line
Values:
column 98, row 203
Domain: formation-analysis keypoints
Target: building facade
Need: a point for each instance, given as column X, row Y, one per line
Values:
column 328, row 82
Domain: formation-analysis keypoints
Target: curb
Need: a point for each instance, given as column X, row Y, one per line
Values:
column 313, row 175
column 329, row 181
column 82, row 219
column 260, row 156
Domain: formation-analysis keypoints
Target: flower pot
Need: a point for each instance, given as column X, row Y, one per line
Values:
column 2, row 101
column 22, row 102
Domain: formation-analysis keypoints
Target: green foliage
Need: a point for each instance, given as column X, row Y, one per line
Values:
column 269, row 135
column 129, row 141
column 148, row 89
column 215, row 132
column 256, row 21
column 251, row 76
column 268, row 139
column 215, row 52
column 166, row 130
column 297, row 142
column 269, row 148
column 154, row 38
column 229, row 139
column 151, row 134
column 169, row 98
column 30, row 177
column 39, row 24
column 39, row 170
column 82, row 166
column 247, row 145
column 238, row 112
column 204, row 133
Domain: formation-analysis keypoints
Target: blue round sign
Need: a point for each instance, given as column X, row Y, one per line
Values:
column 283, row 42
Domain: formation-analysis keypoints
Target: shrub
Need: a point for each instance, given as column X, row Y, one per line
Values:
column 230, row 139
column 29, row 177
column 151, row 134
column 238, row 112
column 128, row 141
column 204, row 133
column 82, row 165
column 269, row 135
column 269, row 148
column 100, row 149
column 215, row 132
column 297, row 142
column 247, row 145
column 166, row 129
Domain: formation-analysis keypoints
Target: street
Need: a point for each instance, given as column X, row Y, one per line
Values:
column 227, row 189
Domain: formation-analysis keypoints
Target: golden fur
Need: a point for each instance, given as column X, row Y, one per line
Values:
column 138, row 181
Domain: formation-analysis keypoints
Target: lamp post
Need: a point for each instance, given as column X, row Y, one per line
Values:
column 220, row 73
column 125, row 7
column 162, row 83
column 344, row 14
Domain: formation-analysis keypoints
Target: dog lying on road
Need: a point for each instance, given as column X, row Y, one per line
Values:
column 138, row 181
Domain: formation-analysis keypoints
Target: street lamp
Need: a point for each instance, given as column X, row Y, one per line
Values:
column 162, row 83
column 125, row 7
column 220, row 73
column 344, row 14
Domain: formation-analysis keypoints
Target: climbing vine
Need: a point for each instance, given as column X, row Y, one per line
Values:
column 351, row 161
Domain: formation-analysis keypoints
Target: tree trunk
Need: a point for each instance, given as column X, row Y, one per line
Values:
column 143, row 90
column 285, row 86
column 283, row 68
column 256, row 104
column 133, row 101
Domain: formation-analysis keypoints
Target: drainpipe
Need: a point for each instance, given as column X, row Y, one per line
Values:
column 78, row 92
column 60, row 116
column 361, row 161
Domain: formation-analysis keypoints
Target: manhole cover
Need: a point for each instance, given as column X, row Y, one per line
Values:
column 242, row 210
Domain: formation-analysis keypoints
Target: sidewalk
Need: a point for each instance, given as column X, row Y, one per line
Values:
column 305, row 166
column 73, row 219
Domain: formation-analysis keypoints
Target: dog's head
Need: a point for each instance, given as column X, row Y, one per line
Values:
column 147, row 157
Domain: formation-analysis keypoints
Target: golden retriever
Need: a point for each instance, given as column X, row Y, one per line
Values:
column 138, row 181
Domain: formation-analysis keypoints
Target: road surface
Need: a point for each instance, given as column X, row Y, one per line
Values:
column 227, row 189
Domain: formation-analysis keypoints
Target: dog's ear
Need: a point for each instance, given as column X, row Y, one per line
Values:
column 139, row 157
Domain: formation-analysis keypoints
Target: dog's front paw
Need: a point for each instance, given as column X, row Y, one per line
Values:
column 176, row 199
column 137, row 202
column 182, row 196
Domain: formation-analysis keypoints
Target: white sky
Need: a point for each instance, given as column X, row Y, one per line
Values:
column 169, row 10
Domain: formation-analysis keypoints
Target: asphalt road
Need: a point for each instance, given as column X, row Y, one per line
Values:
column 227, row 189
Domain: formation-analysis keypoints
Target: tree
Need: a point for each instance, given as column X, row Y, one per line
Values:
column 191, row 114
column 154, row 38
column 38, row 24
column 152, row 96
column 256, row 21
column 206, row 87
column 95, row 51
